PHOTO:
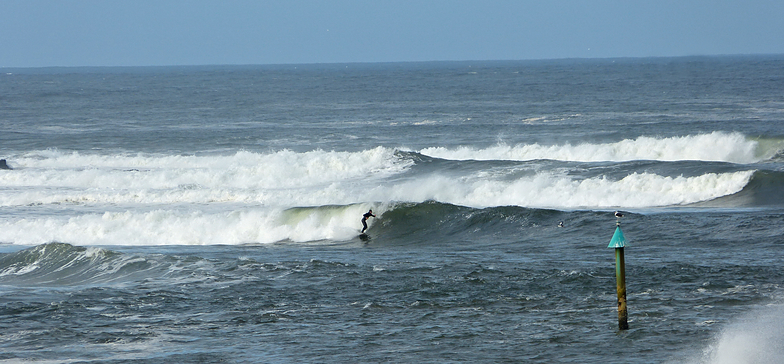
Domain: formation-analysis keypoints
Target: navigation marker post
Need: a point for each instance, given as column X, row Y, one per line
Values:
column 618, row 241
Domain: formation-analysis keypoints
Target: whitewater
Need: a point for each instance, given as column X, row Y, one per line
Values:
column 212, row 214
column 716, row 146
column 177, row 196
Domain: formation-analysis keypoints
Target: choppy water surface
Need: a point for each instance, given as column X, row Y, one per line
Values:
column 211, row 214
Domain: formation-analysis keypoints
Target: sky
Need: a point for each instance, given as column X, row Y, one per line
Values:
column 68, row 33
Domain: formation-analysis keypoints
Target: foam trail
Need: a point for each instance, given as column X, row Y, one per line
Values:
column 716, row 146
column 173, row 227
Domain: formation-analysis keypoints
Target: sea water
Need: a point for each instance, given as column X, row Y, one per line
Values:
column 212, row 214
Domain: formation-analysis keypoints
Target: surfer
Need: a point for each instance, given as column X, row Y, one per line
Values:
column 364, row 219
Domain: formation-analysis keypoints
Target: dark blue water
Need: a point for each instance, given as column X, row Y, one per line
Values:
column 211, row 214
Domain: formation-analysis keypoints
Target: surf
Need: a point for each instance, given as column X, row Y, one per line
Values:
column 403, row 207
column 551, row 190
column 755, row 337
column 188, row 226
column 385, row 176
column 713, row 147
column 274, row 178
column 277, row 196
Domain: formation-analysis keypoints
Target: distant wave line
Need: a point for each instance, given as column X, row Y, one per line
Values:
column 715, row 147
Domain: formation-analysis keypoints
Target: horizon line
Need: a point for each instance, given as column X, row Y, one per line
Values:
column 310, row 64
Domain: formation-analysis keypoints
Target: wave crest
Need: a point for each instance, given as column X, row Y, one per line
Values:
column 545, row 190
column 259, row 224
column 716, row 147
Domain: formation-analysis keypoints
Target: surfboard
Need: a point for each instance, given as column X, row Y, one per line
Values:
column 364, row 237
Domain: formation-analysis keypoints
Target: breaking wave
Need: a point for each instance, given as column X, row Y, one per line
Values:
column 251, row 197
column 716, row 146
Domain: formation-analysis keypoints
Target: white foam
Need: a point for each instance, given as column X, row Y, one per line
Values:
column 176, row 227
column 716, row 146
column 271, row 179
column 757, row 338
column 210, row 224
column 545, row 190
column 259, row 198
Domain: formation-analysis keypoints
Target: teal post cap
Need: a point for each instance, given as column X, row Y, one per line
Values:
column 618, row 240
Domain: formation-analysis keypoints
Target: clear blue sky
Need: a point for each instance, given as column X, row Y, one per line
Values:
column 39, row 33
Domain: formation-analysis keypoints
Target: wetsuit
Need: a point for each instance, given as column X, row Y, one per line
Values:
column 364, row 218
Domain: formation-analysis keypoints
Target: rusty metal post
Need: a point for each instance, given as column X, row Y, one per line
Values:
column 620, row 279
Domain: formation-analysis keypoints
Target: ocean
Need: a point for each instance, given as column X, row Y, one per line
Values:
column 211, row 214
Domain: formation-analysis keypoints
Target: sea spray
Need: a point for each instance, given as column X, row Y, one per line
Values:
column 755, row 338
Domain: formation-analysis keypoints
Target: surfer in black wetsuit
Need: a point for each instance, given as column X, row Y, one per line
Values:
column 364, row 219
